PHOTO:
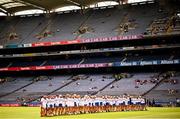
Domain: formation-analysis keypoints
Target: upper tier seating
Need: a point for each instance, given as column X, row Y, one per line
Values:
column 94, row 23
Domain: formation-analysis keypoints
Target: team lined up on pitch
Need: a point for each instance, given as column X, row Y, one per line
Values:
column 75, row 104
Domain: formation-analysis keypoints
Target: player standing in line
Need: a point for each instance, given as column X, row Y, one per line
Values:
column 43, row 106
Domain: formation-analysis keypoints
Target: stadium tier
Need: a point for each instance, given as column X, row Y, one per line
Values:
column 109, row 22
column 91, row 60
column 163, row 87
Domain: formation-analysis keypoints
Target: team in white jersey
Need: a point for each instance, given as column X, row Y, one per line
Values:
column 76, row 104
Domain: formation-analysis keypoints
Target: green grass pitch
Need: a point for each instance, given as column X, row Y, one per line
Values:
column 34, row 113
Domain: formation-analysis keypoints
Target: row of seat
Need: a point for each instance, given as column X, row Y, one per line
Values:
column 104, row 23
column 90, row 84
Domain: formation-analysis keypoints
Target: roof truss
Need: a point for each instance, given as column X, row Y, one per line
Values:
column 45, row 5
column 31, row 4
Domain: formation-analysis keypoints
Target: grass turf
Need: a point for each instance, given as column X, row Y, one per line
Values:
column 34, row 113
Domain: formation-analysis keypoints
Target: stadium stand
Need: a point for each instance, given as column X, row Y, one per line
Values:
column 31, row 88
column 131, row 85
column 90, row 60
column 167, row 90
column 95, row 23
column 23, row 89
column 90, row 84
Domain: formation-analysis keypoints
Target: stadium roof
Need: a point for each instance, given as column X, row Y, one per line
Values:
column 13, row 6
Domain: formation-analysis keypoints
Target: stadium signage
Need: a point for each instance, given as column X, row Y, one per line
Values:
column 4, row 69
column 77, row 41
column 42, row 67
column 126, row 63
column 146, row 62
column 27, row 45
column 41, row 44
column 134, row 63
column 10, row 105
column 143, row 63
column 117, row 38
column 91, row 40
column 25, row 68
column 95, row 65
column 155, row 62
column 55, row 43
column 169, row 61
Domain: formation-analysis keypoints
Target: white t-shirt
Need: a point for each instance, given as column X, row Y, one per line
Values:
column 43, row 102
